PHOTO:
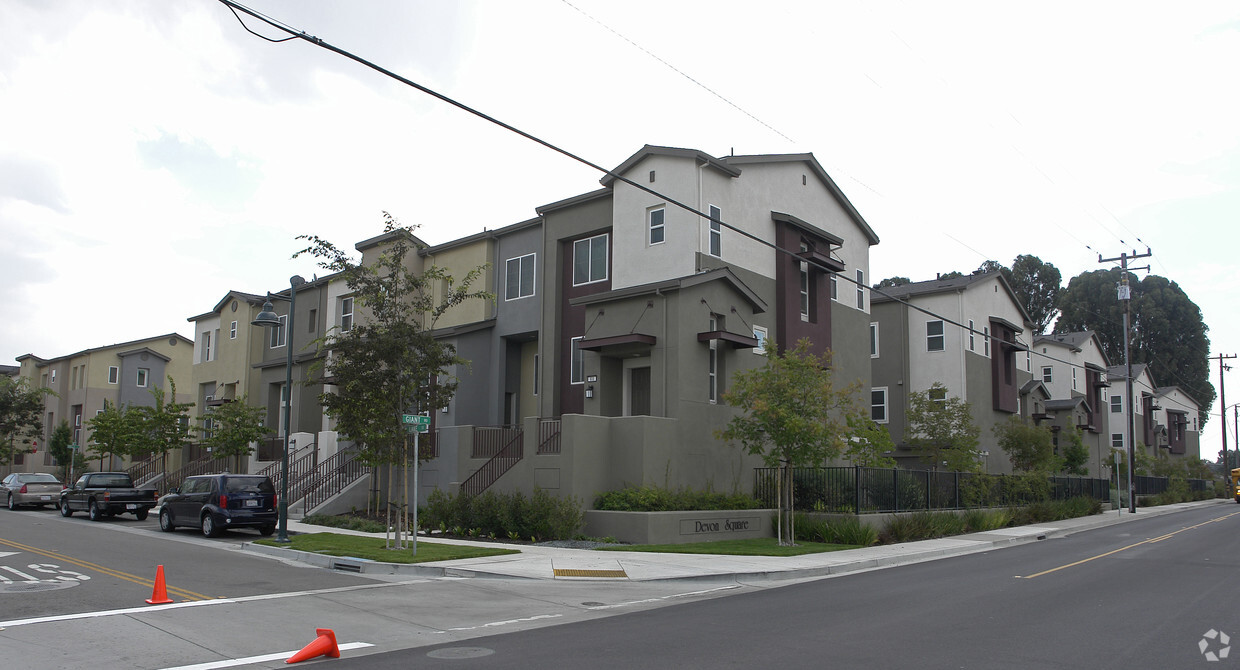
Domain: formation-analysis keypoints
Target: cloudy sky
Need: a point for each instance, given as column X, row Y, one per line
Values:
column 154, row 155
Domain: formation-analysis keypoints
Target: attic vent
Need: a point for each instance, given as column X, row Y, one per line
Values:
column 652, row 176
column 803, row 180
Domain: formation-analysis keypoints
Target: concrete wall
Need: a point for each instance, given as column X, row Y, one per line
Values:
column 680, row 527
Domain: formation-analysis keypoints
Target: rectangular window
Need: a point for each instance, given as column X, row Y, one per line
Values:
column 277, row 333
column 314, row 320
column 1028, row 362
column 1047, row 374
column 860, row 289
column 935, row 340
column 971, row 347
column 716, row 232
column 53, row 376
column 804, row 272
column 986, row 341
column 232, row 331
column 206, row 347
column 576, row 363
column 346, row 314
column 874, row 340
column 1117, row 440
column 143, row 373
column 535, row 374
column 114, row 374
column 759, row 334
column 878, row 405
column 1073, row 379
column 938, row 395
column 1117, row 404
column 712, row 366
column 590, row 260
column 519, row 277
column 656, row 225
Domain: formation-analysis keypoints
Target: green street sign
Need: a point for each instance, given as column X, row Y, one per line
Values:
column 416, row 420
column 74, row 446
column 417, row 428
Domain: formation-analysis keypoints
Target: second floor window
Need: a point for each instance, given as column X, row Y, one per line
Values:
column 878, row 405
column 346, row 314
column 143, row 374
column 576, row 369
column 519, row 277
column 860, row 289
column 206, row 347
column 277, row 333
column 232, row 331
column 1048, row 374
column 873, row 340
column 1117, row 404
column 590, row 260
column 716, row 232
column 656, row 225
column 114, row 374
column 934, row 336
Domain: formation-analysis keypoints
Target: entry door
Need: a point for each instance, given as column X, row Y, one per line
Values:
column 639, row 391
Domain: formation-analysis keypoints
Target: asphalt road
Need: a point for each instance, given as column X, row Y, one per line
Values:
column 1143, row 594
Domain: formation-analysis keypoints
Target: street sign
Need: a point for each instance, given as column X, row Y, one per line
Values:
column 416, row 420
column 417, row 428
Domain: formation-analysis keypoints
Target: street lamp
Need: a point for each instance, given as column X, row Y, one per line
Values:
column 269, row 319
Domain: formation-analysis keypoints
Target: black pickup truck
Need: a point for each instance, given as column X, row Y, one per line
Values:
column 101, row 494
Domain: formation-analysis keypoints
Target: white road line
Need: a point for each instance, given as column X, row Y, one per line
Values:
column 19, row 573
column 689, row 594
column 197, row 603
column 233, row 662
column 8, row 553
column 508, row 622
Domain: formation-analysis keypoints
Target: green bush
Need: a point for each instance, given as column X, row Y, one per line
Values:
column 851, row 531
column 655, row 499
column 923, row 526
column 347, row 522
column 978, row 520
column 810, row 529
column 504, row 515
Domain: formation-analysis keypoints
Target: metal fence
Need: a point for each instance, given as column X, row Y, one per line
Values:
column 1148, row 486
column 851, row 490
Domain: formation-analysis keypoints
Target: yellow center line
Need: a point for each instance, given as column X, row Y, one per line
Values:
column 149, row 583
column 1116, row 551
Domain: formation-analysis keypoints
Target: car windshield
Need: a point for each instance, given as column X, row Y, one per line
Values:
column 249, row 485
column 38, row 479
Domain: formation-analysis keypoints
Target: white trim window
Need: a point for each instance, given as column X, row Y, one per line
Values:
column 658, row 232
column 1117, row 440
column 1048, row 374
column 143, row 376
column 760, row 334
column 114, row 374
column 576, row 370
column 986, row 341
column 971, row 333
column 860, row 289
column 835, row 286
column 346, row 314
column 712, row 367
column 804, row 273
column 206, row 347
column 519, row 277
column 277, row 333
column 935, row 339
column 1117, row 404
column 878, row 404
column 232, row 331
column 1074, row 379
column 590, row 260
column 873, row 339
column 715, row 241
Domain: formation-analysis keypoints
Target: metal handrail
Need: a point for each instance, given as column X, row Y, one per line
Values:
column 331, row 477
column 493, row 469
column 141, row 471
column 548, row 436
column 488, row 441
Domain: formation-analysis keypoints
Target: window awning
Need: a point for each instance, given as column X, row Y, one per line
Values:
column 619, row 345
column 734, row 340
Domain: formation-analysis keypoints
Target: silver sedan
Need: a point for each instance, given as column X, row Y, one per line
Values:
column 30, row 488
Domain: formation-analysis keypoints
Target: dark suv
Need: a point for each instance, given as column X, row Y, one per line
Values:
column 216, row 503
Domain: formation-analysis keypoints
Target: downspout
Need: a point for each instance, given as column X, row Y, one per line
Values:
column 698, row 247
column 663, row 299
column 964, row 372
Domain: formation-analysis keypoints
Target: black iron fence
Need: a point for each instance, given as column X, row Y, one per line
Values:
column 1148, row 486
column 852, row 490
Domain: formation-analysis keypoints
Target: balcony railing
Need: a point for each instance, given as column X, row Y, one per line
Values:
column 548, row 436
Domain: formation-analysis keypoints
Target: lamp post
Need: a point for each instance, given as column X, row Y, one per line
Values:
column 269, row 319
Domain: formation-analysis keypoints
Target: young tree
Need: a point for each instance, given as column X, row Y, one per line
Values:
column 111, row 432
column 59, row 446
column 389, row 363
column 1031, row 448
column 231, row 428
column 792, row 416
column 941, row 430
column 1073, row 454
column 162, row 427
column 869, row 443
column 21, row 416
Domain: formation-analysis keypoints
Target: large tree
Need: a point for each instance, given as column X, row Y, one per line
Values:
column 390, row 363
column 21, row 416
column 941, row 430
column 792, row 415
column 1168, row 332
column 1037, row 285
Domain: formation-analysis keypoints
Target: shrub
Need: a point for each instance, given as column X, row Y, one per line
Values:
column 923, row 526
column 655, row 499
column 542, row 517
column 851, row 531
column 978, row 520
column 347, row 522
column 810, row 529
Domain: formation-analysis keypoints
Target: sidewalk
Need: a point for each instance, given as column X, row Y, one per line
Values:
column 541, row 562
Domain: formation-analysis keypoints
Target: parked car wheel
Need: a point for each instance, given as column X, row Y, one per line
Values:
column 165, row 521
column 141, row 514
column 266, row 531
column 64, row 508
column 93, row 511
column 12, row 505
column 208, row 526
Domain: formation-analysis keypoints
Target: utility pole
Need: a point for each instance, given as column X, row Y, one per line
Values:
column 1125, row 295
column 1222, row 400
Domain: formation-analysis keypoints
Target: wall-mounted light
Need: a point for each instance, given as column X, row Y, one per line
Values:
column 589, row 391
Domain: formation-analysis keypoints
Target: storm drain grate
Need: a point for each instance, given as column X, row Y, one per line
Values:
column 564, row 572
column 346, row 567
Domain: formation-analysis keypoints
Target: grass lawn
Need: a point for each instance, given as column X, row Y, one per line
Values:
column 763, row 546
column 356, row 546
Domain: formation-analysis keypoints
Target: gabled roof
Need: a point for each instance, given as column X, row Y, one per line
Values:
column 250, row 298
column 42, row 362
column 1117, row 371
column 722, row 274
column 1167, row 390
column 143, row 350
column 1076, row 342
column 1035, row 385
column 1065, row 403
column 675, row 152
column 933, row 286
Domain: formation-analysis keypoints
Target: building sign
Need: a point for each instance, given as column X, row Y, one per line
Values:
column 743, row 524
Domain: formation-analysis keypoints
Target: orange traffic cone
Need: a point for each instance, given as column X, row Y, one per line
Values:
column 160, row 595
column 324, row 645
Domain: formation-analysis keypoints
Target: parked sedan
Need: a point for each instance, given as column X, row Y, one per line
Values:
column 30, row 488
column 218, row 502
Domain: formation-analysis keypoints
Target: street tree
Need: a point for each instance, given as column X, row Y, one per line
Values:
column 161, row 427
column 229, row 429
column 1168, row 332
column 21, row 416
column 1073, row 454
column 792, row 415
column 60, row 446
column 1030, row 447
column 389, row 363
column 112, row 431
column 869, row 443
column 941, row 431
